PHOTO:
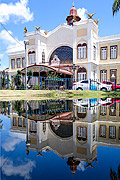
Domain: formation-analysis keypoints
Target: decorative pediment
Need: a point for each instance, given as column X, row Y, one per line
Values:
column 55, row 61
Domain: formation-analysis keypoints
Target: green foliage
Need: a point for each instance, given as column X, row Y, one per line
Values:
column 36, row 87
column 30, row 73
column 54, row 74
column 116, row 6
column 18, row 72
column 4, row 82
column 23, row 86
column 18, row 107
column 17, row 79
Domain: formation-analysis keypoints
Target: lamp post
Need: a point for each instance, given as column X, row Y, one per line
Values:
column 74, row 67
column 26, row 43
column 27, row 130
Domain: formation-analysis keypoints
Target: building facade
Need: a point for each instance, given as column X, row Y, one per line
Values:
column 75, row 42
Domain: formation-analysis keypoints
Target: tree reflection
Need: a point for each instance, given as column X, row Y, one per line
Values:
column 1, row 125
column 115, row 175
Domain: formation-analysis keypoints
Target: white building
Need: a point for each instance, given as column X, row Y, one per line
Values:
column 75, row 42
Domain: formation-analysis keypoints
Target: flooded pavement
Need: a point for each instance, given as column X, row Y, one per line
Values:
column 60, row 139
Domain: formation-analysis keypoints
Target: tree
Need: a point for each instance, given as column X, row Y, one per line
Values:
column 116, row 6
column 18, row 107
column 17, row 79
column 29, row 74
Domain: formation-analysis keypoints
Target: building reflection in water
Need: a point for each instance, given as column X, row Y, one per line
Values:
column 73, row 129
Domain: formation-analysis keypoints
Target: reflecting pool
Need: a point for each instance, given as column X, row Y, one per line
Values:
column 60, row 139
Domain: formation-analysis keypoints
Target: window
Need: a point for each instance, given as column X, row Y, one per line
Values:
column 24, row 122
column 20, row 122
column 23, row 62
column 108, row 83
column 82, row 133
column 81, row 109
column 18, row 63
column 85, row 81
column 103, row 131
column 103, row 75
column 64, row 54
column 82, row 76
column 14, row 121
column 112, row 110
column 113, row 52
column 103, row 53
column 13, row 63
column 112, row 132
column 103, row 110
column 44, row 127
column 93, row 132
column 31, row 57
column 33, row 127
column 113, row 75
column 94, row 53
column 43, row 57
column 82, row 51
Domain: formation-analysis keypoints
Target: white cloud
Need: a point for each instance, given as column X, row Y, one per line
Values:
column 12, row 45
column 23, row 170
column 17, row 11
column 6, row 38
column 82, row 13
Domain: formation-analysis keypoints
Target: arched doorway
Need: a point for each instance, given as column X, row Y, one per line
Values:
column 81, row 74
column 64, row 54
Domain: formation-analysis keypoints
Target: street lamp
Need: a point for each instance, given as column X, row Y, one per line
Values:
column 74, row 67
column 26, row 43
column 27, row 130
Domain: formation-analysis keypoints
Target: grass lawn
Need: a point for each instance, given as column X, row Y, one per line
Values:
column 8, row 95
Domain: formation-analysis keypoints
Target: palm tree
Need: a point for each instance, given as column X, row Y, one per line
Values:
column 116, row 6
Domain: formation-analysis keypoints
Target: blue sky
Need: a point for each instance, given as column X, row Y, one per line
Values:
column 17, row 14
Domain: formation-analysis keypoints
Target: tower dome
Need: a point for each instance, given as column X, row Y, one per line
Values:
column 73, row 17
column 73, row 11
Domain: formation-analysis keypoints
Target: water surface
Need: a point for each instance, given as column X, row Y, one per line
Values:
column 60, row 139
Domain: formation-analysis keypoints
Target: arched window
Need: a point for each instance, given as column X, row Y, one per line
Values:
column 81, row 133
column 94, row 52
column 31, row 55
column 43, row 57
column 103, row 75
column 64, row 54
column 44, row 127
column 82, row 51
column 81, row 74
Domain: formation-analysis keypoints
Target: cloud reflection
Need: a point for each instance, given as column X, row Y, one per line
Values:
column 81, row 166
column 12, row 141
column 23, row 170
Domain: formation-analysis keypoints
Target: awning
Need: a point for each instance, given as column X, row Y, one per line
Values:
column 46, row 68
